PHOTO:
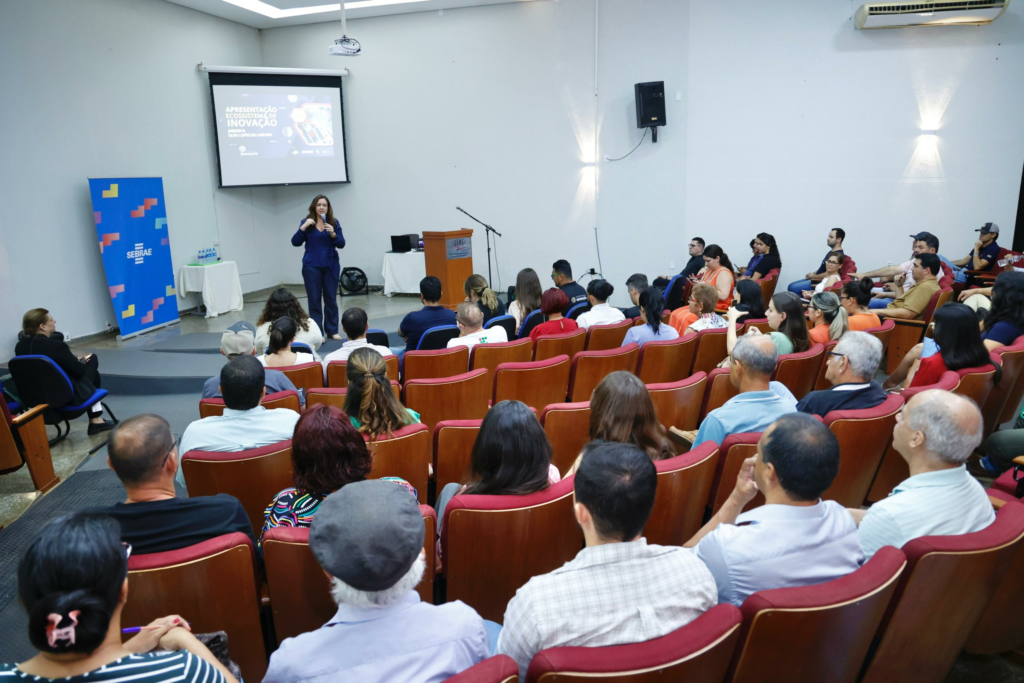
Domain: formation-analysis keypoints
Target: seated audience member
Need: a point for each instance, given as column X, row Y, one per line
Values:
column 144, row 455
column 601, row 312
column 832, row 276
column 749, row 300
column 958, row 345
column 511, row 457
column 479, row 293
column 702, row 303
column 718, row 272
column 765, row 245
column 283, row 304
column 552, row 303
column 693, row 266
column 39, row 337
column 760, row 401
column 754, row 260
column 850, row 368
column 910, row 305
column 651, row 308
column 73, row 583
column 786, row 320
column 370, row 404
column 561, row 274
column 828, row 317
column 635, row 286
column 327, row 454
column 618, row 589
column 433, row 314
column 368, row 538
column 527, row 296
column 234, row 344
column 279, row 351
column 855, row 298
column 245, row 424
column 983, row 255
column 471, row 330
column 936, row 431
column 1005, row 303
column 1000, row 449
column 795, row 538
column 354, row 322
column 902, row 276
column 835, row 244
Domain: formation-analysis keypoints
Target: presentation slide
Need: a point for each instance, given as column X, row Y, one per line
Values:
column 279, row 135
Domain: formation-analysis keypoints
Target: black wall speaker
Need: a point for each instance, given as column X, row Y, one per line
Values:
column 650, row 105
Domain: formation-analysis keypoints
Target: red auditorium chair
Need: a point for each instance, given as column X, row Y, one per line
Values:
column 300, row 593
column 821, row 383
column 24, row 442
column 461, row 397
column 336, row 397
column 492, row 545
column 453, row 450
column 213, row 584
column 975, row 383
column 603, row 337
column 883, row 333
column 948, row 583
column 863, row 436
column 336, row 377
column 799, row 371
column 490, row 356
column 711, row 349
column 1016, row 395
column 816, row 633
column 590, row 367
column 734, row 450
column 304, row 375
column 907, row 333
column 209, row 407
column 684, row 484
column 696, row 653
column 1011, row 359
column 254, row 476
column 666, row 361
column 406, row 453
column 719, row 389
column 567, row 426
column 759, row 323
column 494, row 669
column 432, row 364
column 551, row 345
column 535, row 383
column 678, row 403
column 768, row 284
column 1001, row 626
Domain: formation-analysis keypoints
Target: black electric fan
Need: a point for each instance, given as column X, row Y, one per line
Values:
column 353, row 282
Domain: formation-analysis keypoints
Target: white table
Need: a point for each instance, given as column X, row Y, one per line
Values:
column 403, row 272
column 218, row 283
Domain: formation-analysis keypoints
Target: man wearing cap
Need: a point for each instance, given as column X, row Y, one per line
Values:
column 900, row 278
column 984, row 254
column 239, row 340
column 368, row 538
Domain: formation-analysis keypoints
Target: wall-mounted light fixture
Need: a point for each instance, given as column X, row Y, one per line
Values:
column 929, row 132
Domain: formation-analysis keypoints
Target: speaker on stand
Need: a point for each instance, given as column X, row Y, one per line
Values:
column 650, row 106
column 353, row 282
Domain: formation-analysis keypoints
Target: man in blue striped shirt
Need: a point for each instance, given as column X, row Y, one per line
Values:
column 935, row 433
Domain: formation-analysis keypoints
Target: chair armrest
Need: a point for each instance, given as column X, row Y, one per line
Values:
column 997, row 503
column 32, row 413
column 1019, row 460
column 911, row 323
column 679, row 440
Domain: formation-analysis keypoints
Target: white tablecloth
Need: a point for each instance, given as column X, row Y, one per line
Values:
column 219, row 284
column 403, row 272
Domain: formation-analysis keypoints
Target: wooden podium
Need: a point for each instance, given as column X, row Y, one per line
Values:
column 449, row 257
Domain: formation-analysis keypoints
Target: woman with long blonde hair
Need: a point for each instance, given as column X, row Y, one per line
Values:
column 370, row 403
column 479, row 293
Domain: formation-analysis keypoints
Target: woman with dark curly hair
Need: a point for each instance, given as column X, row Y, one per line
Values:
column 327, row 453
column 284, row 304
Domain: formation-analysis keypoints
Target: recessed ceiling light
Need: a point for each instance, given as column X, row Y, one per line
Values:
column 272, row 12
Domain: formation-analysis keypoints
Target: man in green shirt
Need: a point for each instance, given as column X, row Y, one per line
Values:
column 910, row 305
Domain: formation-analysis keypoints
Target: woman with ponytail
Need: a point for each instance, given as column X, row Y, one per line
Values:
column 279, row 351
column 828, row 318
column 651, row 308
column 73, row 582
column 477, row 292
column 370, row 403
column 855, row 297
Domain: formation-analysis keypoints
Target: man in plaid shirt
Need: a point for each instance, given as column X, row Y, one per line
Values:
column 618, row 589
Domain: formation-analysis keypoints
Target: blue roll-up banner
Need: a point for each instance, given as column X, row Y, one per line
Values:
column 131, row 224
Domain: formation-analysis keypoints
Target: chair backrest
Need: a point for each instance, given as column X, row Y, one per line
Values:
column 601, row 337
column 938, row 300
column 946, row 587
column 863, row 437
column 551, row 345
column 674, row 292
column 301, row 347
column 535, row 383
column 678, row 403
column 493, row 545
column 490, row 356
column 300, row 593
column 590, row 367
column 799, row 371
column 717, row 391
column 1001, row 626
column 696, row 653
column 304, row 375
column 289, row 399
column 733, row 451
column 816, row 633
column 39, row 380
column 760, row 323
column 1011, row 359
column 684, row 483
column 336, row 397
column 406, row 453
column 254, row 476
column 821, row 384
column 975, row 383
column 567, row 426
column 337, row 379
column 214, row 584
column 11, row 457
column 437, row 337
column 535, row 318
column 494, row 669
column 666, row 361
column 436, row 363
column 378, row 338
column 453, row 450
column 711, row 349
column 883, row 333
column 460, row 397
column 768, row 284
column 578, row 309
column 506, row 321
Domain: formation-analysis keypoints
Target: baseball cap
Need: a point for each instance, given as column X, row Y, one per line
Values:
column 237, row 343
column 243, row 325
column 921, row 236
column 987, row 228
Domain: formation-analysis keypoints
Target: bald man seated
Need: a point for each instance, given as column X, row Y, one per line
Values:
column 470, row 320
column 935, row 433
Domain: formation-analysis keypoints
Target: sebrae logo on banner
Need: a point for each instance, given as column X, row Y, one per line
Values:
column 140, row 252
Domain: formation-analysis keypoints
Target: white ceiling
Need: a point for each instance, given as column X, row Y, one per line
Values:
column 257, row 16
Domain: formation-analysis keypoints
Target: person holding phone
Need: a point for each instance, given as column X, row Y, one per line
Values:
column 321, row 233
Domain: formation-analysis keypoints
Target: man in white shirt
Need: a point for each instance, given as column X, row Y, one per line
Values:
column 795, row 538
column 600, row 313
column 354, row 322
column 470, row 320
column 935, row 433
column 245, row 424
column 618, row 589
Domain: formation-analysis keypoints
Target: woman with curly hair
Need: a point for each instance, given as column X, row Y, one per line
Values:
column 284, row 304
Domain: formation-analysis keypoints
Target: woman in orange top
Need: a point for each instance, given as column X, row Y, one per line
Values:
column 718, row 271
column 855, row 297
column 828, row 317
column 552, row 303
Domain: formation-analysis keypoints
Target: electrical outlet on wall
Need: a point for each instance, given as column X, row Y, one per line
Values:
column 671, row 265
column 67, row 337
column 109, row 325
column 888, row 263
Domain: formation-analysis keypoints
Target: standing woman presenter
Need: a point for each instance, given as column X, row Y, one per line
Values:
column 320, row 265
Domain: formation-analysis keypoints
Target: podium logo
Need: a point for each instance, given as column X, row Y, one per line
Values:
column 140, row 252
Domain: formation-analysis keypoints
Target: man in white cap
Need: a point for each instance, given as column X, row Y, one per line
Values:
column 368, row 538
column 240, row 340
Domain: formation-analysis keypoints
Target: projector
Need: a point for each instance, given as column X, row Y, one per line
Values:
column 345, row 47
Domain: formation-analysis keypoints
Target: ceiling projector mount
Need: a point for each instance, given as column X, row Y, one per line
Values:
column 345, row 46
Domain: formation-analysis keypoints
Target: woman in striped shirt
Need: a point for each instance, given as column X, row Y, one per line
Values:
column 73, row 583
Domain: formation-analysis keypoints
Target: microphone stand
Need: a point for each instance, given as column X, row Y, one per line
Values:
column 487, row 231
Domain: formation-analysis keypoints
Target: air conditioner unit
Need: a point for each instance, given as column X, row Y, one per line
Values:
column 903, row 15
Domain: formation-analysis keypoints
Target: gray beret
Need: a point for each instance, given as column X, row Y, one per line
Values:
column 368, row 534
